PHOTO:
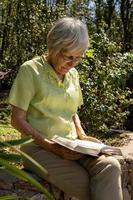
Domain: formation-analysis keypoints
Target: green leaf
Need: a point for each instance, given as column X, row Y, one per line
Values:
column 13, row 197
column 9, row 198
column 28, row 157
column 19, row 173
column 10, row 157
column 22, row 141
column 90, row 53
column 33, row 161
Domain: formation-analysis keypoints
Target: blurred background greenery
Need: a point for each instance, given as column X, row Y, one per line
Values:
column 106, row 73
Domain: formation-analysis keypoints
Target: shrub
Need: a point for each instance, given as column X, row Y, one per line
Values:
column 103, row 82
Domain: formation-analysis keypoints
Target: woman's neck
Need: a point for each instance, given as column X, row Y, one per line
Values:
column 60, row 76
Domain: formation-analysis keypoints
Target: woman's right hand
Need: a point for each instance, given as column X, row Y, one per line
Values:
column 64, row 152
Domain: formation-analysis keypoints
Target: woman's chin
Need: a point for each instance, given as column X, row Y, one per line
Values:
column 64, row 71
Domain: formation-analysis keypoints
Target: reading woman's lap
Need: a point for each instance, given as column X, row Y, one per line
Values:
column 67, row 175
column 76, row 178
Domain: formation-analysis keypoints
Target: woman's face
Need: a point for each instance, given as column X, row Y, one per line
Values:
column 64, row 61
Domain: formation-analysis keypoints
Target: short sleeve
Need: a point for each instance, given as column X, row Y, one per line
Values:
column 23, row 89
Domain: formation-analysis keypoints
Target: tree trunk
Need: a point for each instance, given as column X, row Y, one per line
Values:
column 5, row 32
column 126, row 17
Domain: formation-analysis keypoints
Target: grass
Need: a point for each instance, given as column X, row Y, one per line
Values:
column 7, row 132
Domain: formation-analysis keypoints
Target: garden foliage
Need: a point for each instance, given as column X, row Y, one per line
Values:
column 103, row 75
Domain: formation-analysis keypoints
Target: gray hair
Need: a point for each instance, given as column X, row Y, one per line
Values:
column 68, row 34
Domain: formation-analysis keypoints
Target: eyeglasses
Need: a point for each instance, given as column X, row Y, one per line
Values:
column 71, row 58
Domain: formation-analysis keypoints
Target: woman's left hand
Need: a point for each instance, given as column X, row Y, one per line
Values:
column 89, row 138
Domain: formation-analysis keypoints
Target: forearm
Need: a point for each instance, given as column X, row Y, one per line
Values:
column 25, row 128
column 80, row 132
column 19, row 121
column 79, row 129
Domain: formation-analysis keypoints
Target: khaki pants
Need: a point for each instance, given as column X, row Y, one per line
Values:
column 87, row 179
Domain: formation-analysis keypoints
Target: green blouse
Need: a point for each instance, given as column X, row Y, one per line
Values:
column 49, row 102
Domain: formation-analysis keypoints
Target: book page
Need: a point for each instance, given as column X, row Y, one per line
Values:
column 89, row 144
column 71, row 144
column 82, row 146
column 109, row 150
column 87, row 147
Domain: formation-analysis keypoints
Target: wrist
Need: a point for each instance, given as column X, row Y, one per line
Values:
column 81, row 133
column 49, row 145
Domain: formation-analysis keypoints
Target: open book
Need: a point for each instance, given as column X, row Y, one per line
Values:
column 87, row 147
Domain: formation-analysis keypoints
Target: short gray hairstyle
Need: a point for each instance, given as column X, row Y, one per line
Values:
column 68, row 34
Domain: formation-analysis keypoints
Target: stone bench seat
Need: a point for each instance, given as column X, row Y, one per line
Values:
column 10, row 185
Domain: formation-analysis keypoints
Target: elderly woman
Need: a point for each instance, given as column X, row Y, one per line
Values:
column 45, row 97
